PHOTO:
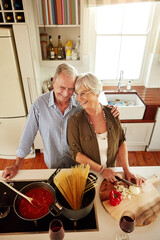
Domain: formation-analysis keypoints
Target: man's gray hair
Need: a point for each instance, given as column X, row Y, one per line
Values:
column 90, row 81
column 66, row 68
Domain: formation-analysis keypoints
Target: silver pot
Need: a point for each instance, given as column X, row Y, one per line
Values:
column 61, row 206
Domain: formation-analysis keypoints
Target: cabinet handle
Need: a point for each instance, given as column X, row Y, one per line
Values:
column 29, row 89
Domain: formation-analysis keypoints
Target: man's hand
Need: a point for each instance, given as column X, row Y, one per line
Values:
column 10, row 172
column 114, row 111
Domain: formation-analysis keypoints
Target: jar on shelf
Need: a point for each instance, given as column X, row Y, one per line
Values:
column 43, row 39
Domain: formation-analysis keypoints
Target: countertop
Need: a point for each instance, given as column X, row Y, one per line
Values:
column 150, row 96
column 107, row 225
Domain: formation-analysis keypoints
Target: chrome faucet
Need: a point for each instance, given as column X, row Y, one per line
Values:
column 120, row 85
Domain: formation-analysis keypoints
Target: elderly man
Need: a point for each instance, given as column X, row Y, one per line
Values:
column 49, row 114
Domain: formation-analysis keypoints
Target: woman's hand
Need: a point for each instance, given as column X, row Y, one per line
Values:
column 115, row 111
column 138, row 180
column 109, row 175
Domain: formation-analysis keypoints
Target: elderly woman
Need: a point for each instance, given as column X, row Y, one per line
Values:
column 95, row 136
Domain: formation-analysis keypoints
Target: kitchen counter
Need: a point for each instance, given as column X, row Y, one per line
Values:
column 150, row 96
column 107, row 225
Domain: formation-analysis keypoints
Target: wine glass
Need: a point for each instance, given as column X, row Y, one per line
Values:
column 56, row 230
column 126, row 224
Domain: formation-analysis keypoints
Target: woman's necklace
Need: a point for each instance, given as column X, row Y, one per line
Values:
column 104, row 119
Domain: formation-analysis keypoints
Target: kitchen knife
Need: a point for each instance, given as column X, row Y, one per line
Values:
column 126, row 181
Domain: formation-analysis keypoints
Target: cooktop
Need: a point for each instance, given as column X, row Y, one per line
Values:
column 11, row 223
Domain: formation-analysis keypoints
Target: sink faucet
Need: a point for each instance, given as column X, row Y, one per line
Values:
column 120, row 85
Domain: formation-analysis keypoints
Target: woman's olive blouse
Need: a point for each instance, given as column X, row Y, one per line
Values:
column 82, row 137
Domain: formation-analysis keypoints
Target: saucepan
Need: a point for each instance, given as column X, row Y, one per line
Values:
column 61, row 206
column 31, row 186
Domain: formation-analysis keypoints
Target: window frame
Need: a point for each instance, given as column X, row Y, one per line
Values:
column 146, row 58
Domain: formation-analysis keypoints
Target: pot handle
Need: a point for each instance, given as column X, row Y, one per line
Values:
column 92, row 177
column 55, row 209
column 51, row 178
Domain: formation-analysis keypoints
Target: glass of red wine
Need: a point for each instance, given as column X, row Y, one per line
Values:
column 126, row 224
column 56, row 230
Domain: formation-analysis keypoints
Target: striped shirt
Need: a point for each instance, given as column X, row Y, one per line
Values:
column 45, row 116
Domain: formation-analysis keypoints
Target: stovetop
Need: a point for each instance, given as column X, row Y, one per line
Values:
column 14, row 224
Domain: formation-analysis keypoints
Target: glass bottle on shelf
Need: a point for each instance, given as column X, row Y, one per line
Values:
column 18, row 4
column 60, row 54
column 9, row 17
column 20, row 17
column 51, row 52
column 6, row 4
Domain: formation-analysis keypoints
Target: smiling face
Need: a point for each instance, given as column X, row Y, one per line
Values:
column 86, row 98
column 63, row 88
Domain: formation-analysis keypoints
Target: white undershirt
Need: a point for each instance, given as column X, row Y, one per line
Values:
column 103, row 147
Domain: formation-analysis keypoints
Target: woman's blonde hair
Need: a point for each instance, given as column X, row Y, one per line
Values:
column 90, row 81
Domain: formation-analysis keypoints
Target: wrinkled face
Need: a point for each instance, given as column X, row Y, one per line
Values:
column 64, row 87
column 86, row 98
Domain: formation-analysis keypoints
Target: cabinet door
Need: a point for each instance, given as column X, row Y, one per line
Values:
column 10, row 134
column 137, row 135
column 155, row 139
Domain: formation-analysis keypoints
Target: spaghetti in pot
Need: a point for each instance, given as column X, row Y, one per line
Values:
column 72, row 184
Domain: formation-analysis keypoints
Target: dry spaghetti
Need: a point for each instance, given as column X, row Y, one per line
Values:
column 72, row 183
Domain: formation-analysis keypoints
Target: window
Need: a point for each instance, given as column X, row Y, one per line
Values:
column 121, row 36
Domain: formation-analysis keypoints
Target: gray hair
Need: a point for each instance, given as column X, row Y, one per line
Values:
column 66, row 68
column 90, row 81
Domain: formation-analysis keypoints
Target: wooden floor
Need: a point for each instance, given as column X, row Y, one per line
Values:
column 135, row 159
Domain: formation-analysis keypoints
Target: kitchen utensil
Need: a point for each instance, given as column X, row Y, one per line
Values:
column 145, row 206
column 30, row 186
column 126, row 181
column 33, row 201
column 62, row 207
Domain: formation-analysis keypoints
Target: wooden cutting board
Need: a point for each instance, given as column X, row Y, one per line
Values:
column 145, row 206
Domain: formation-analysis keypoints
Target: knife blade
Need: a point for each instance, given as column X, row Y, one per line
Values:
column 126, row 181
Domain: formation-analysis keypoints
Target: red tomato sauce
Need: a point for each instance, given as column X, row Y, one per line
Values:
column 44, row 197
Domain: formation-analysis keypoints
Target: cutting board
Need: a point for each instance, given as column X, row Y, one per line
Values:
column 145, row 206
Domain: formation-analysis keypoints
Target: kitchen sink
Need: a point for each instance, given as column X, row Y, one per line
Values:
column 130, row 104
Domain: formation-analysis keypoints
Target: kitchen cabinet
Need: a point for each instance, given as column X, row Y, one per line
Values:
column 154, row 144
column 10, row 132
column 66, row 31
column 137, row 135
column 24, row 52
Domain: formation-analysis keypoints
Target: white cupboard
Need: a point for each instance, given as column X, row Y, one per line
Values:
column 10, row 131
column 137, row 135
column 154, row 144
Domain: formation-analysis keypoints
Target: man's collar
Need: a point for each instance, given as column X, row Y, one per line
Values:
column 51, row 99
column 73, row 101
